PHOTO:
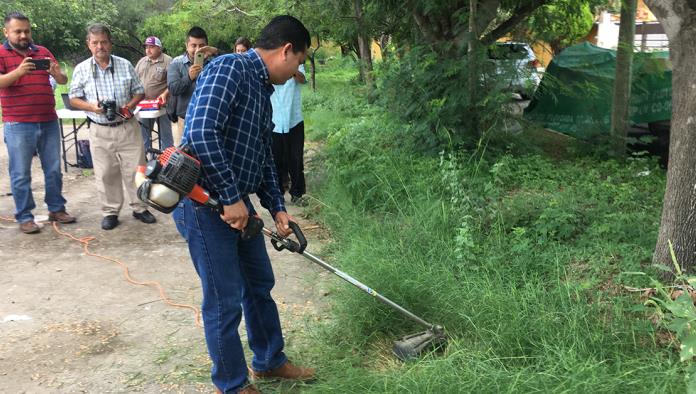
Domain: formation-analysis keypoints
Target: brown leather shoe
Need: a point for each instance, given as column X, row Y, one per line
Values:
column 29, row 227
column 285, row 371
column 250, row 389
column 61, row 217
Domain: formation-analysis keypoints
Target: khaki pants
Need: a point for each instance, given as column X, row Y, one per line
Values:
column 116, row 153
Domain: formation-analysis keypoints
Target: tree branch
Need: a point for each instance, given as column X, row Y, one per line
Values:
column 485, row 14
column 423, row 22
column 518, row 16
column 240, row 11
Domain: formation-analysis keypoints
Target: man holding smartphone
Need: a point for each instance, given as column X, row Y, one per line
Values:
column 30, row 120
column 183, row 72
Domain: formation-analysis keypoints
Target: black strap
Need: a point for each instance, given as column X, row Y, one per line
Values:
column 94, row 77
column 114, row 124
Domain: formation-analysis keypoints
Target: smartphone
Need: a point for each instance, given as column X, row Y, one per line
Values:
column 198, row 58
column 41, row 64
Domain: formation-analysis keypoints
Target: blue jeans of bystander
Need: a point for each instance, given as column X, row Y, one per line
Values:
column 236, row 276
column 23, row 139
column 165, row 132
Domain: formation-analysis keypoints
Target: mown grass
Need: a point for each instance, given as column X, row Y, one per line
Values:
column 522, row 258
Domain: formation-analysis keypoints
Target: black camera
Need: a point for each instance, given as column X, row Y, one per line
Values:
column 110, row 109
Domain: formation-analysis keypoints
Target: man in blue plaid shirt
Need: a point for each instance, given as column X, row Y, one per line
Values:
column 228, row 128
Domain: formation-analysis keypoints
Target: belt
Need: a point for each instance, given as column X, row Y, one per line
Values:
column 114, row 124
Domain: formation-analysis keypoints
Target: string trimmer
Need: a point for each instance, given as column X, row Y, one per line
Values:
column 410, row 346
column 172, row 175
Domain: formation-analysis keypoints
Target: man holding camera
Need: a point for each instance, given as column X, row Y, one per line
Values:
column 30, row 120
column 107, row 88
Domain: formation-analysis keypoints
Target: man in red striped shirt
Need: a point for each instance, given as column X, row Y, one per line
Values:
column 30, row 120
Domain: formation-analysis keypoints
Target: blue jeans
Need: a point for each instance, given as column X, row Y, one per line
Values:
column 23, row 139
column 165, row 132
column 236, row 276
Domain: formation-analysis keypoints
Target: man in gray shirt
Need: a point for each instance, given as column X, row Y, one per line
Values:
column 182, row 74
column 152, row 71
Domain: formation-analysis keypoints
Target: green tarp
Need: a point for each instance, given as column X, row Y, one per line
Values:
column 575, row 94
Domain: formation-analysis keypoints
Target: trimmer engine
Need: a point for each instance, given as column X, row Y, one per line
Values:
column 174, row 169
column 169, row 176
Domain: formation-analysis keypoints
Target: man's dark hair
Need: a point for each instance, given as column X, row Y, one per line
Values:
column 243, row 41
column 281, row 30
column 197, row 32
column 15, row 15
column 98, row 28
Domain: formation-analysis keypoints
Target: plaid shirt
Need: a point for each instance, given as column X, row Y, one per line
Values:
column 228, row 127
column 117, row 82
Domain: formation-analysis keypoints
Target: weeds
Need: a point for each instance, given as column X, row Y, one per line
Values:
column 519, row 256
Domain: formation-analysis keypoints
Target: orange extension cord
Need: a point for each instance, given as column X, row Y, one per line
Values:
column 126, row 274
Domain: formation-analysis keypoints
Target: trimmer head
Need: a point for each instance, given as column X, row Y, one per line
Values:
column 413, row 346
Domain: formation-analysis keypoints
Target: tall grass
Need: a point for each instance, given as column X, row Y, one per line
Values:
column 522, row 258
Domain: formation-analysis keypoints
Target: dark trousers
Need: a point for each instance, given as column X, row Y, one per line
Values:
column 288, row 154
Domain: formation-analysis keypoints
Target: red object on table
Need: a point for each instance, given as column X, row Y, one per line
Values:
column 149, row 105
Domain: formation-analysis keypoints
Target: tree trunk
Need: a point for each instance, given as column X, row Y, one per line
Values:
column 622, row 84
column 678, row 224
column 472, row 69
column 363, row 47
column 313, row 74
column 384, row 40
column 312, row 60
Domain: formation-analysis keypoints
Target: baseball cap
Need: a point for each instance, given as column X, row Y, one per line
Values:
column 152, row 40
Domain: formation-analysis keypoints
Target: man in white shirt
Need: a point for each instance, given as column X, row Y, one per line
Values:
column 288, row 136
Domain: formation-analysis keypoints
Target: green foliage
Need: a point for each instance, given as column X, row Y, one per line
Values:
column 675, row 312
column 60, row 25
column 561, row 23
column 224, row 21
column 127, row 24
column 171, row 29
column 63, row 33
column 430, row 94
column 520, row 257
column 336, row 101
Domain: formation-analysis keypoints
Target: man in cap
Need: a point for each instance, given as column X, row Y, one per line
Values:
column 152, row 71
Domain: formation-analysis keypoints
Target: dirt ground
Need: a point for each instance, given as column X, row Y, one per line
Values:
column 70, row 323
